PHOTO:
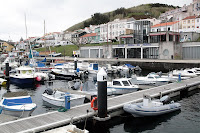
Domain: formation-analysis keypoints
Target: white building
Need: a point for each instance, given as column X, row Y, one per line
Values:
column 169, row 26
column 90, row 29
column 180, row 13
column 112, row 30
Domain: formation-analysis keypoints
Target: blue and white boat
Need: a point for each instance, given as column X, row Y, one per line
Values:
column 57, row 98
column 18, row 106
column 93, row 68
column 23, row 75
column 122, row 86
column 151, row 107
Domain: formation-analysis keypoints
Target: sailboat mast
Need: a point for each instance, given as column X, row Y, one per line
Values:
column 25, row 24
column 44, row 40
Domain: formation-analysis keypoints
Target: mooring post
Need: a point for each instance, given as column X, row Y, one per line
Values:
column 102, row 93
column 7, row 76
column 20, row 61
column 75, row 63
column 179, row 77
column 67, row 101
column 7, row 70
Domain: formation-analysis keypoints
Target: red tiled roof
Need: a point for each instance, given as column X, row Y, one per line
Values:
column 190, row 17
column 89, row 35
column 164, row 24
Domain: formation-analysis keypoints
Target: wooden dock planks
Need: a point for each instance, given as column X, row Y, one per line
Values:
column 54, row 119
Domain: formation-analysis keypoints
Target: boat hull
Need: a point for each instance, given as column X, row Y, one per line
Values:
column 21, row 81
column 138, row 110
column 61, row 102
column 118, row 90
column 18, row 113
column 65, row 76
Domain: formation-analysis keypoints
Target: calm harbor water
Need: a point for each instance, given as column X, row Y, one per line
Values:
column 185, row 121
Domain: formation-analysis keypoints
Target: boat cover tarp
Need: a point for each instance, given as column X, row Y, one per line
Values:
column 60, row 64
column 18, row 101
column 130, row 66
column 41, row 64
column 95, row 66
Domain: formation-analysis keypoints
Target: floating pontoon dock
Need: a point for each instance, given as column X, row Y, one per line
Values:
column 79, row 113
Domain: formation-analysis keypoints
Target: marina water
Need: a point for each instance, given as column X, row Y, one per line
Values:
column 185, row 121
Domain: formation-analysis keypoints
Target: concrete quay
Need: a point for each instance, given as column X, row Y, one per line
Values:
column 148, row 64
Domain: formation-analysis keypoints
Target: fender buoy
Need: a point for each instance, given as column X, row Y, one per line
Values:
column 94, row 105
column 38, row 78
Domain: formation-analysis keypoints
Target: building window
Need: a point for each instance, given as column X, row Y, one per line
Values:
column 192, row 21
column 128, row 26
column 184, row 27
column 197, row 20
column 188, row 27
column 188, row 21
column 192, row 26
column 184, row 22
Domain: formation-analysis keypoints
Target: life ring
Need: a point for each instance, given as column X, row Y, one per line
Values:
column 94, row 107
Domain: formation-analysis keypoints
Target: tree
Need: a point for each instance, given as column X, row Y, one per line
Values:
column 21, row 39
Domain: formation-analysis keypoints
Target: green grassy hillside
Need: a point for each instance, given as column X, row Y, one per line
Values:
column 138, row 12
column 65, row 50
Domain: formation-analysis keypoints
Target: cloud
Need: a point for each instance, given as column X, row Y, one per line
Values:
column 58, row 14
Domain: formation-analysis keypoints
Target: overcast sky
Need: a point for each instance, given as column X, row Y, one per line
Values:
column 58, row 14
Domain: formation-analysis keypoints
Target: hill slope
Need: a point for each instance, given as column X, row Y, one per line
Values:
column 137, row 12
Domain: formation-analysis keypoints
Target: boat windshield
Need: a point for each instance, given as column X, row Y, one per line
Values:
column 117, row 83
column 125, row 83
column 26, row 71
column 190, row 72
column 130, row 82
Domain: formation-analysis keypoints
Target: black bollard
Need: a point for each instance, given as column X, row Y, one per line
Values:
column 20, row 61
column 7, row 70
column 75, row 63
column 102, row 93
column 7, row 76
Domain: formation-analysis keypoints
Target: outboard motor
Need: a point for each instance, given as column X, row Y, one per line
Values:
column 165, row 99
column 71, row 85
column 49, row 91
column 77, row 85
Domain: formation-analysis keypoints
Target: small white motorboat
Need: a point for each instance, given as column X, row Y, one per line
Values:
column 122, row 86
column 152, row 77
column 151, row 107
column 109, row 69
column 57, row 98
column 185, row 73
column 67, row 129
column 64, row 73
column 17, row 104
column 93, row 68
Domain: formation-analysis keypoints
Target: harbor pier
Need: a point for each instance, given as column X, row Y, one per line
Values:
column 147, row 64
